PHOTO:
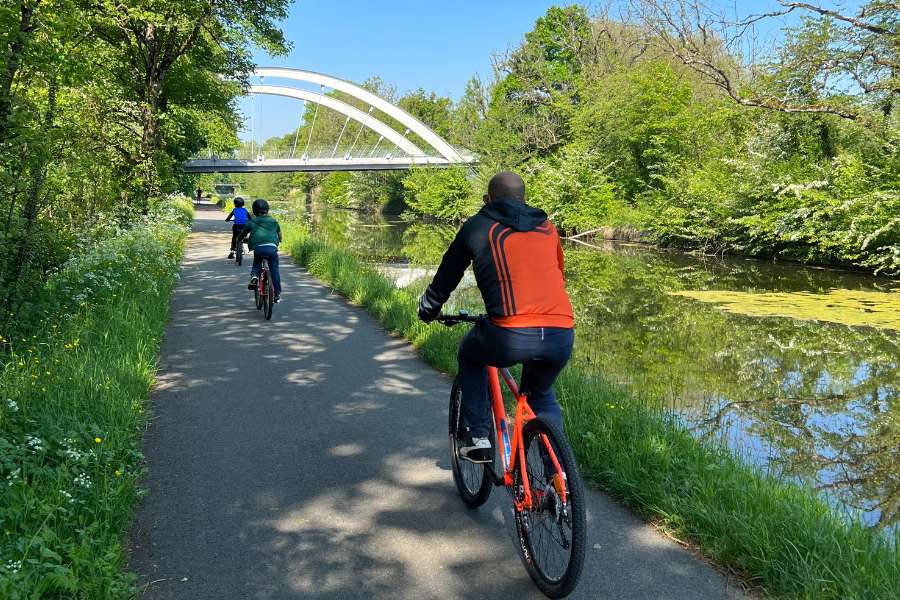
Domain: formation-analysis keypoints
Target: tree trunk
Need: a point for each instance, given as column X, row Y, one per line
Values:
column 13, row 62
column 31, row 208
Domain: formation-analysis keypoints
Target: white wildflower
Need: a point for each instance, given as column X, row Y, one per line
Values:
column 13, row 566
column 70, row 449
column 83, row 480
column 11, row 404
column 34, row 443
column 12, row 477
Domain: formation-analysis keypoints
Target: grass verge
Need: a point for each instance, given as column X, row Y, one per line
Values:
column 73, row 385
column 780, row 537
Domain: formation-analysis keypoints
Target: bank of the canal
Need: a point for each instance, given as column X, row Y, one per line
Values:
column 648, row 353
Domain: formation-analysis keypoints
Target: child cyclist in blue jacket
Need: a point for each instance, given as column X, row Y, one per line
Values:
column 265, row 235
column 240, row 216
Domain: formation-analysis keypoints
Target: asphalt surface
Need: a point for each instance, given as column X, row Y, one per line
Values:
column 306, row 458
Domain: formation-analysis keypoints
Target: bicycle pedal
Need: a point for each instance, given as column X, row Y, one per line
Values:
column 487, row 461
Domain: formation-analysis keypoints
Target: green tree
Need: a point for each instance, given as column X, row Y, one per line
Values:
column 177, row 56
column 443, row 193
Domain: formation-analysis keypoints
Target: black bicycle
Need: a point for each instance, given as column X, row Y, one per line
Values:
column 239, row 252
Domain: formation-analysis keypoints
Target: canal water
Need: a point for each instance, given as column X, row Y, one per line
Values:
column 795, row 368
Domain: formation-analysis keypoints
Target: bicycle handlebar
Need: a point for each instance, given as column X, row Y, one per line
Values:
column 461, row 317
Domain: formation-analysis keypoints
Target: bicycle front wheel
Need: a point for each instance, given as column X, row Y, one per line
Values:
column 473, row 481
column 552, row 534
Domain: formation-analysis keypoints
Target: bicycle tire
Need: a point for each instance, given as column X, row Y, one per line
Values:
column 257, row 296
column 473, row 481
column 270, row 296
column 527, row 526
column 239, row 254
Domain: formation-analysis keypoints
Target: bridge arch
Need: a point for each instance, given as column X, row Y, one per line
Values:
column 361, row 117
column 447, row 151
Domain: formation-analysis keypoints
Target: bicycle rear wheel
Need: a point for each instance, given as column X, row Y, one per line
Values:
column 239, row 254
column 552, row 534
column 270, row 295
column 473, row 481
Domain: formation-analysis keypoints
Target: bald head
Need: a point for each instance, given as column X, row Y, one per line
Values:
column 506, row 184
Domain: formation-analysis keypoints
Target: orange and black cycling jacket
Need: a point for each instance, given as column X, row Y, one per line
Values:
column 518, row 263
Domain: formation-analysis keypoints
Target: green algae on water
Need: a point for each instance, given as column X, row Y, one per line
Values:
column 855, row 308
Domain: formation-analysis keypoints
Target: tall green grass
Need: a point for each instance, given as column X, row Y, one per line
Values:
column 73, row 386
column 780, row 537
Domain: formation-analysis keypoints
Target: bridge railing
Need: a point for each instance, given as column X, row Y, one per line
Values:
column 319, row 152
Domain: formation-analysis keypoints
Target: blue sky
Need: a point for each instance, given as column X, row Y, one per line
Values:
column 434, row 45
column 410, row 44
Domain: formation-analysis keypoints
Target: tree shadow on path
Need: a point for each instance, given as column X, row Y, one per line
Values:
column 306, row 458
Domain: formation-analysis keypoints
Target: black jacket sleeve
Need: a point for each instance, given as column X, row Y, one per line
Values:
column 230, row 215
column 454, row 264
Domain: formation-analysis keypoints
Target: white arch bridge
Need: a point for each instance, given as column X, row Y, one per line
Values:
column 393, row 150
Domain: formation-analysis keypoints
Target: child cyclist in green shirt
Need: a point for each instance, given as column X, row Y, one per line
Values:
column 265, row 235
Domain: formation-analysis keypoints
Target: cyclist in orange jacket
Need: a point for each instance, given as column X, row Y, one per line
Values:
column 518, row 262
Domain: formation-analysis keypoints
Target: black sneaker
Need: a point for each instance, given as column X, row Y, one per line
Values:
column 252, row 284
column 277, row 297
column 477, row 450
column 231, row 255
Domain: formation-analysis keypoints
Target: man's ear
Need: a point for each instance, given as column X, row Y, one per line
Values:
column 486, row 199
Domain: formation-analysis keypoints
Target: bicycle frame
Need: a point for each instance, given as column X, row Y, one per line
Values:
column 262, row 282
column 513, row 450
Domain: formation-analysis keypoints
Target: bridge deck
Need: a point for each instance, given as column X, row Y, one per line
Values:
column 306, row 458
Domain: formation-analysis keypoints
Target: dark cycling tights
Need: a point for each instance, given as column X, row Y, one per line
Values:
column 543, row 352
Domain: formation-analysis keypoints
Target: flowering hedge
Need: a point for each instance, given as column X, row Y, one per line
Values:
column 73, row 381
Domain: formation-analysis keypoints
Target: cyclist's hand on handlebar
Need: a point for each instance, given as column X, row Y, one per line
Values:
column 427, row 312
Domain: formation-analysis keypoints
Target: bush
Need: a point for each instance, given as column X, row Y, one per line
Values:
column 572, row 187
column 443, row 193
column 179, row 204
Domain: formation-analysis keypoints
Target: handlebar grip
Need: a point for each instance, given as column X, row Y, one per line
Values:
column 462, row 317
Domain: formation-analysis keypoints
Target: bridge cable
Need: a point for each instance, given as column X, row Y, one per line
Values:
column 337, row 143
column 358, row 133
column 252, row 126
column 297, row 133
column 312, row 127
column 375, row 147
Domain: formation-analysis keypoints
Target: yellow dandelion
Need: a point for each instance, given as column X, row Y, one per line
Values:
column 118, row 473
column 98, row 440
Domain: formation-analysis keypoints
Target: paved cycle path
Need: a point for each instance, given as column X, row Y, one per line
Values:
column 306, row 458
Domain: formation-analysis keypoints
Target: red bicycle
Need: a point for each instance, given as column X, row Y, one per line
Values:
column 264, row 292
column 537, row 467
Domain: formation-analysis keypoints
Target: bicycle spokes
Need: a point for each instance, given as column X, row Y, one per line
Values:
column 549, row 525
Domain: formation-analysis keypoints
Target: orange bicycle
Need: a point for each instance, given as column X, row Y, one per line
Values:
column 537, row 466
